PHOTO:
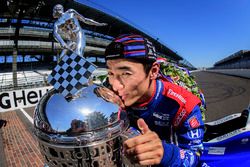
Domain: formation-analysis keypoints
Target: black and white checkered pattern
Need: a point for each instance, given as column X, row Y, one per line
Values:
column 70, row 74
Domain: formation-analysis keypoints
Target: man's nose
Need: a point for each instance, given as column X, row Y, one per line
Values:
column 117, row 85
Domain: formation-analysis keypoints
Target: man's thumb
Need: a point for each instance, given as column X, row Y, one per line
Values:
column 142, row 126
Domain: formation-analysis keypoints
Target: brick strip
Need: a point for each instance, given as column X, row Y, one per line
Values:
column 20, row 148
column 2, row 157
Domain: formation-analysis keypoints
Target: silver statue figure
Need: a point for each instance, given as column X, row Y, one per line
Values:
column 68, row 27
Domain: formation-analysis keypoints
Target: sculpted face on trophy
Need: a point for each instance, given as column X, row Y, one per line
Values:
column 58, row 10
column 78, row 123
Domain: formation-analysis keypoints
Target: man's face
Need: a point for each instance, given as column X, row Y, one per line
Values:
column 57, row 11
column 128, row 80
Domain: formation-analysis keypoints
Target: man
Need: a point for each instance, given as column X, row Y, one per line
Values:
column 167, row 115
column 68, row 26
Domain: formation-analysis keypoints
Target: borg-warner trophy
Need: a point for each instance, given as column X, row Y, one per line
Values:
column 78, row 123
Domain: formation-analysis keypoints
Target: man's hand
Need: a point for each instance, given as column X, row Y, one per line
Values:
column 145, row 149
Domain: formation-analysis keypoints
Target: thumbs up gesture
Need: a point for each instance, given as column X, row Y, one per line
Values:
column 145, row 149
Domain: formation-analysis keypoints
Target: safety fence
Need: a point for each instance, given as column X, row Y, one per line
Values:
column 25, row 79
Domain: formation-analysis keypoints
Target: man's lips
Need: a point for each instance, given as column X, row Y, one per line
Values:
column 123, row 97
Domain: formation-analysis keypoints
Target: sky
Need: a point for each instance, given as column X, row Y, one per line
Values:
column 201, row 31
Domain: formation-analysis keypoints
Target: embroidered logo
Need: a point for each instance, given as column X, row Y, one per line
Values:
column 195, row 133
column 193, row 122
column 182, row 154
column 172, row 93
column 161, row 116
column 139, row 108
column 161, row 123
column 179, row 117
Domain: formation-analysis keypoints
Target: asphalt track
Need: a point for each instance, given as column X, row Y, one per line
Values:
column 224, row 94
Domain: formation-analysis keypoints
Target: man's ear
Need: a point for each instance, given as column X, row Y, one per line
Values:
column 154, row 70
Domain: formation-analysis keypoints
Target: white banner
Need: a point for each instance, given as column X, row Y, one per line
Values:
column 16, row 99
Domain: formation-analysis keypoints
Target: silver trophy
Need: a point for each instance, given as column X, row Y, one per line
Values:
column 79, row 123
column 86, row 131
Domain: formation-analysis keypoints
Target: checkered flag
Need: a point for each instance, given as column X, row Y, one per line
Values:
column 71, row 74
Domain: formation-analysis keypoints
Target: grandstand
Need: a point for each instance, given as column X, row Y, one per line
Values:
column 28, row 50
column 238, row 60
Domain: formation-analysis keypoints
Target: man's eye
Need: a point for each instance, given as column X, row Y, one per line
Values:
column 126, row 74
column 110, row 74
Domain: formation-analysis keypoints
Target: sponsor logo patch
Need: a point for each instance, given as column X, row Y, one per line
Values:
column 139, row 108
column 179, row 117
column 161, row 116
column 194, row 134
column 161, row 123
column 193, row 122
column 182, row 154
column 178, row 96
column 196, row 142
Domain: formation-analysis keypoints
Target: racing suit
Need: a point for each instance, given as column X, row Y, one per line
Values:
column 173, row 113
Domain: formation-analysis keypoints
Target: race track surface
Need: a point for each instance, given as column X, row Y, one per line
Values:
column 224, row 94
